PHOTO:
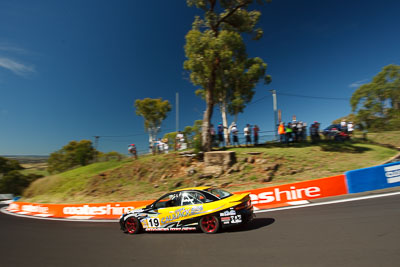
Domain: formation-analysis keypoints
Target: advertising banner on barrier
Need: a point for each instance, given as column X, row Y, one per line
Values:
column 76, row 211
column 374, row 178
column 269, row 197
column 297, row 193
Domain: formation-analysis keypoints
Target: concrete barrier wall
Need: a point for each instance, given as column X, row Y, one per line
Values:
column 373, row 178
column 6, row 196
column 269, row 197
column 356, row 181
column 297, row 193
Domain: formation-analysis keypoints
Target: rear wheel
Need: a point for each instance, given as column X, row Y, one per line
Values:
column 132, row 225
column 209, row 224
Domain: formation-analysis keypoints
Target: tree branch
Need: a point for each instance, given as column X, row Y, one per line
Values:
column 230, row 13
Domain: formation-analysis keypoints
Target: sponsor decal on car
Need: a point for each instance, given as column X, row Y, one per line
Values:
column 170, row 229
column 180, row 213
column 228, row 213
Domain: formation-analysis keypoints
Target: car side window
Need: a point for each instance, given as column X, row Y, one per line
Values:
column 167, row 201
column 192, row 198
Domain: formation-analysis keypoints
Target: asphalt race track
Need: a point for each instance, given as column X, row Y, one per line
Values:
column 359, row 233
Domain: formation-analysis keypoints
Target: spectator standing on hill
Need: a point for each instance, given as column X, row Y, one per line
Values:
column 289, row 132
column 166, row 147
column 304, row 131
column 180, row 138
column 235, row 132
column 299, row 131
column 343, row 126
column 293, row 126
column 281, row 132
column 350, row 128
column 132, row 150
column 247, row 134
column 160, row 146
column 255, row 134
column 220, row 131
column 314, row 132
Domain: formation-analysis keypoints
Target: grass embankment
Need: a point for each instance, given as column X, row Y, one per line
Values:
column 390, row 138
column 150, row 176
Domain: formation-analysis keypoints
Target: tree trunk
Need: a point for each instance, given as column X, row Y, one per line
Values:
column 206, row 136
column 225, row 123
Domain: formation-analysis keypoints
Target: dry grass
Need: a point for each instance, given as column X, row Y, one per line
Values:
column 149, row 177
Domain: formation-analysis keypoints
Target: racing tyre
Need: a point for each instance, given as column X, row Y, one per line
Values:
column 209, row 224
column 132, row 225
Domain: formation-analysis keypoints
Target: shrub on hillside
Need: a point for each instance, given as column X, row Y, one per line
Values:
column 113, row 155
column 7, row 165
column 71, row 155
column 15, row 182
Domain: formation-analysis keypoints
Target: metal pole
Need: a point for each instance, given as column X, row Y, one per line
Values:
column 275, row 113
column 96, row 141
column 177, row 112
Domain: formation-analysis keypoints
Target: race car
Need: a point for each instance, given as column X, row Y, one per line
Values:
column 206, row 208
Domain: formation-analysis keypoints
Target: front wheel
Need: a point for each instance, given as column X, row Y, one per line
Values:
column 132, row 225
column 209, row 224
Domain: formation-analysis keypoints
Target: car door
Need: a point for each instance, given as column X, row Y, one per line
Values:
column 163, row 211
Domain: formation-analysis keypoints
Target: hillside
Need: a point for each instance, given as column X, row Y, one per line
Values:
column 150, row 176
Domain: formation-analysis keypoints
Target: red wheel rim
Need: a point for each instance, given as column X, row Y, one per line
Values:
column 131, row 225
column 209, row 224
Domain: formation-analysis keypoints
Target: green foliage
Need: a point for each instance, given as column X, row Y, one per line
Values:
column 154, row 111
column 113, row 155
column 11, row 180
column 351, row 117
column 15, row 182
column 217, row 59
column 170, row 137
column 193, row 135
column 7, row 165
column 377, row 103
column 71, row 155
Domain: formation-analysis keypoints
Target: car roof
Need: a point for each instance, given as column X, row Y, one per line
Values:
column 192, row 188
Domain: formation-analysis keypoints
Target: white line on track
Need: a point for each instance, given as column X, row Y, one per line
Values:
column 329, row 202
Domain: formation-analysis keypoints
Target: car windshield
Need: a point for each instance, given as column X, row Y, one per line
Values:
column 219, row 193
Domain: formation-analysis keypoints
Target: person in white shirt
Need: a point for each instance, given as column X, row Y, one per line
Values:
column 247, row 134
column 350, row 128
column 235, row 132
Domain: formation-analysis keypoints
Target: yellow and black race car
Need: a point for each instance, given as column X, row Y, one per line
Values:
column 207, row 208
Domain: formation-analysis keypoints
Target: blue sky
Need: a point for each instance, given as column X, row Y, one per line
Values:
column 70, row 70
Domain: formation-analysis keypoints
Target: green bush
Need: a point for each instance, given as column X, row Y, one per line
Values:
column 7, row 165
column 15, row 182
column 72, row 155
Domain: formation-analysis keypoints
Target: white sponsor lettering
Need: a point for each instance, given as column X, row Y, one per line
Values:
column 96, row 210
column 170, row 229
column 287, row 195
column 392, row 174
column 33, row 208
column 392, row 168
column 13, row 206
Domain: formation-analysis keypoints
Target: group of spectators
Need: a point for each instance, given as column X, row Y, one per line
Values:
column 295, row 131
column 251, row 135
